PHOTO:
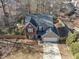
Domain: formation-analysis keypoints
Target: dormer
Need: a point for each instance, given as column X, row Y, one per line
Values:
column 40, row 28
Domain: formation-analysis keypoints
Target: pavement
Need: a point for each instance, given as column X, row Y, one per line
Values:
column 51, row 51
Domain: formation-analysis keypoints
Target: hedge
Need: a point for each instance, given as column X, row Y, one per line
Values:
column 77, row 56
column 74, row 48
column 71, row 38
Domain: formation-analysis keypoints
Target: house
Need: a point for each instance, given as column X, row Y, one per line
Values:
column 41, row 26
column 62, row 28
column 30, row 30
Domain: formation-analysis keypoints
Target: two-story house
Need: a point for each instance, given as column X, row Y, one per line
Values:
column 37, row 25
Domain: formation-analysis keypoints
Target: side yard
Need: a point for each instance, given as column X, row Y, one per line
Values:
column 65, row 52
column 20, row 51
column 73, row 43
column 26, row 53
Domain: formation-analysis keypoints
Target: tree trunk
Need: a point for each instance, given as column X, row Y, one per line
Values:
column 6, row 16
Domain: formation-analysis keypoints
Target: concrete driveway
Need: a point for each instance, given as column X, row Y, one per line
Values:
column 51, row 51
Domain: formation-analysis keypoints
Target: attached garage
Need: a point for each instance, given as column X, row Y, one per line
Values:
column 50, row 39
column 50, row 36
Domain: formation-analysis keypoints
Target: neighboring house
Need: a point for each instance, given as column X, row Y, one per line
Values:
column 37, row 27
column 62, row 28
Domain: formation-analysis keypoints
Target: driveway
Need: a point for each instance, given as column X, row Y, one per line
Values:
column 51, row 51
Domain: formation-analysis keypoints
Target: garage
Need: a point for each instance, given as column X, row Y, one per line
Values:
column 50, row 39
column 50, row 36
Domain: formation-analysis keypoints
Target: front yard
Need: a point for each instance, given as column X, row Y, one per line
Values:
column 21, row 55
column 28, row 52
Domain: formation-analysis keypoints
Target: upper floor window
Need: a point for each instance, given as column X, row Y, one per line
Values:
column 30, row 29
column 40, row 28
column 30, row 26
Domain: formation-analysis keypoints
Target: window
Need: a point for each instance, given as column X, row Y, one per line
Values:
column 40, row 28
column 30, row 26
column 30, row 29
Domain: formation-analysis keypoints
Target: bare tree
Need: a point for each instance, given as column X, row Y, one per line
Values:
column 29, row 11
column 6, row 16
column 37, row 6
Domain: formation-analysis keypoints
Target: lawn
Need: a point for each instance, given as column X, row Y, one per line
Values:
column 25, row 53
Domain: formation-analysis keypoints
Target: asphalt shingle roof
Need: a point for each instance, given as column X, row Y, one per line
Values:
column 46, row 21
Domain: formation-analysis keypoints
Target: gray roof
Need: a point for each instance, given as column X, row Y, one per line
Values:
column 50, row 34
column 27, row 19
column 46, row 21
column 41, row 19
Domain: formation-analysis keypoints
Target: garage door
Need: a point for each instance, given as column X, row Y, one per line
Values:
column 50, row 39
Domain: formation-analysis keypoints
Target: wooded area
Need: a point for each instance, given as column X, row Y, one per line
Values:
column 10, row 10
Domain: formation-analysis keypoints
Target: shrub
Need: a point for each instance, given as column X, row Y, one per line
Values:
column 10, row 30
column 71, row 38
column 75, row 47
column 77, row 56
column 1, row 31
column 17, row 33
